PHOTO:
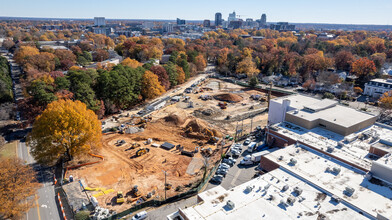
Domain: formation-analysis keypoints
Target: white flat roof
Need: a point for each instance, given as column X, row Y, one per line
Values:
column 265, row 202
column 312, row 166
column 339, row 115
column 297, row 101
column 355, row 151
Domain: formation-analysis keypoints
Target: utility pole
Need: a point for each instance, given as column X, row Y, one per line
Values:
column 236, row 130
column 269, row 94
column 242, row 127
column 251, row 125
column 165, row 183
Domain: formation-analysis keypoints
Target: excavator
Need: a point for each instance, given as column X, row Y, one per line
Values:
column 134, row 145
column 120, row 198
column 136, row 192
column 188, row 130
column 210, row 135
column 142, row 151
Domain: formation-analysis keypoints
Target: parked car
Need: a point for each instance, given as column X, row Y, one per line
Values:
column 237, row 146
column 247, row 141
column 222, row 172
column 217, row 179
column 140, row 216
column 235, row 153
column 224, row 165
column 229, row 162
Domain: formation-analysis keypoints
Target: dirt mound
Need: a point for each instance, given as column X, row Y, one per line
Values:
column 199, row 126
column 175, row 119
column 229, row 97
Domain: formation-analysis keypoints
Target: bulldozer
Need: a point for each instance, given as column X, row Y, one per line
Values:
column 120, row 198
column 142, row 151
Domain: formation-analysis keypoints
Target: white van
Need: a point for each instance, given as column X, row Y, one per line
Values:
column 140, row 216
column 251, row 146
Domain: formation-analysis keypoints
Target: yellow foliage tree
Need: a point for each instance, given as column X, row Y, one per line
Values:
column 17, row 188
column 151, row 87
column 386, row 100
column 24, row 52
column 131, row 63
column 65, row 127
column 180, row 75
column 248, row 67
column 200, row 62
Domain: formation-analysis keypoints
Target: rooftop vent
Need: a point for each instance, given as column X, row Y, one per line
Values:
column 336, row 199
column 230, row 204
column 291, row 200
column 297, row 191
column 349, row 191
column 293, row 161
column 285, row 188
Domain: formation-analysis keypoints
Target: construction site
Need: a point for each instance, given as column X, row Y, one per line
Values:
column 166, row 152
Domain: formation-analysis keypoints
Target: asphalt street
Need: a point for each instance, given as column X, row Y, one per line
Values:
column 45, row 206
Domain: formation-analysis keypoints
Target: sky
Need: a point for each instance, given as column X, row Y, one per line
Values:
column 296, row 11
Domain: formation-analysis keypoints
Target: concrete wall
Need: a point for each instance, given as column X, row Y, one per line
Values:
column 276, row 112
column 381, row 171
column 296, row 119
column 377, row 151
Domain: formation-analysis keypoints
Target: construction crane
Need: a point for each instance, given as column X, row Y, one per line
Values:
column 142, row 151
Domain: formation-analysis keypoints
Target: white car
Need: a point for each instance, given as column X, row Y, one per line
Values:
column 140, row 216
column 226, row 166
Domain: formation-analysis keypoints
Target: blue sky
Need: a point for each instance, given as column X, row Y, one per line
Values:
column 301, row 11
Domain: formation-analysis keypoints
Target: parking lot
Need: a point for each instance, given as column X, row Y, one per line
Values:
column 237, row 174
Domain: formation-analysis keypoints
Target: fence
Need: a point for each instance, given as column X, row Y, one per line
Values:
column 155, row 203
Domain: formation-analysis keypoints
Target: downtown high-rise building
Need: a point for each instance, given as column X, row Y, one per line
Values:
column 218, row 19
column 232, row 17
column 263, row 20
column 99, row 21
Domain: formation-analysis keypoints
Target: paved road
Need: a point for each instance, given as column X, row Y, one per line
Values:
column 45, row 206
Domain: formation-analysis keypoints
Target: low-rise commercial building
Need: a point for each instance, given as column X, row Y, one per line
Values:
column 377, row 87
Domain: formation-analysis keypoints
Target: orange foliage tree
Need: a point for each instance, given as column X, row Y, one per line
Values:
column 200, row 62
column 386, row 100
column 65, row 127
column 151, row 87
column 180, row 75
column 363, row 67
column 17, row 188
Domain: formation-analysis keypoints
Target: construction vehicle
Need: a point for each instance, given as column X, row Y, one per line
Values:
column 222, row 105
column 135, row 145
column 136, row 192
column 208, row 132
column 120, row 198
column 142, row 151
column 168, row 186
column 188, row 130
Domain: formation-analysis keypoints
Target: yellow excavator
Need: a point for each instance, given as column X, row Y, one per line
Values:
column 142, row 151
column 120, row 198
column 208, row 133
column 136, row 192
column 188, row 130
column 134, row 145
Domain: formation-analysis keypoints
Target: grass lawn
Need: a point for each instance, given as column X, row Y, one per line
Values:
column 8, row 150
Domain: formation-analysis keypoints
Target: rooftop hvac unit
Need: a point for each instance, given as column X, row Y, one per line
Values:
column 336, row 170
column 230, row 204
column 283, row 202
column 267, row 186
column 280, row 157
column 336, row 199
column 293, row 161
column 340, row 144
column 249, row 189
column 349, row 191
column 297, row 191
column 330, row 149
column 285, row 188
column 291, row 200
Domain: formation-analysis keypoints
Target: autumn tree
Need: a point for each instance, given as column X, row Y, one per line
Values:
column 100, row 55
column 343, row 60
column 180, row 75
column 18, row 186
column 364, row 68
column 24, row 52
column 386, row 100
column 65, row 128
column 66, row 58
column 247, row 66
column 162, row 76
column 200, row 62
column 151, row 87
column 130, row 62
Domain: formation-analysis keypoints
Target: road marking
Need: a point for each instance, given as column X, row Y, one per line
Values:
column 44, row 206
column 36, row 202
column 235, row 177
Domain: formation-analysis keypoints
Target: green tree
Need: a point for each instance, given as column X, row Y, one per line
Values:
column 253, row 82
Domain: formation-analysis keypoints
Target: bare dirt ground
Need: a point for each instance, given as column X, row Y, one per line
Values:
column 121, row 170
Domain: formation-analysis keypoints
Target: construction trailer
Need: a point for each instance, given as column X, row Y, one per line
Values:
column 167, row 146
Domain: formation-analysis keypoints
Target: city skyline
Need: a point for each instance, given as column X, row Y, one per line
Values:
column 303, row 11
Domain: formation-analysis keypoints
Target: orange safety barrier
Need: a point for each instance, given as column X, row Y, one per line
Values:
column 61, row 206
column 84, row 164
